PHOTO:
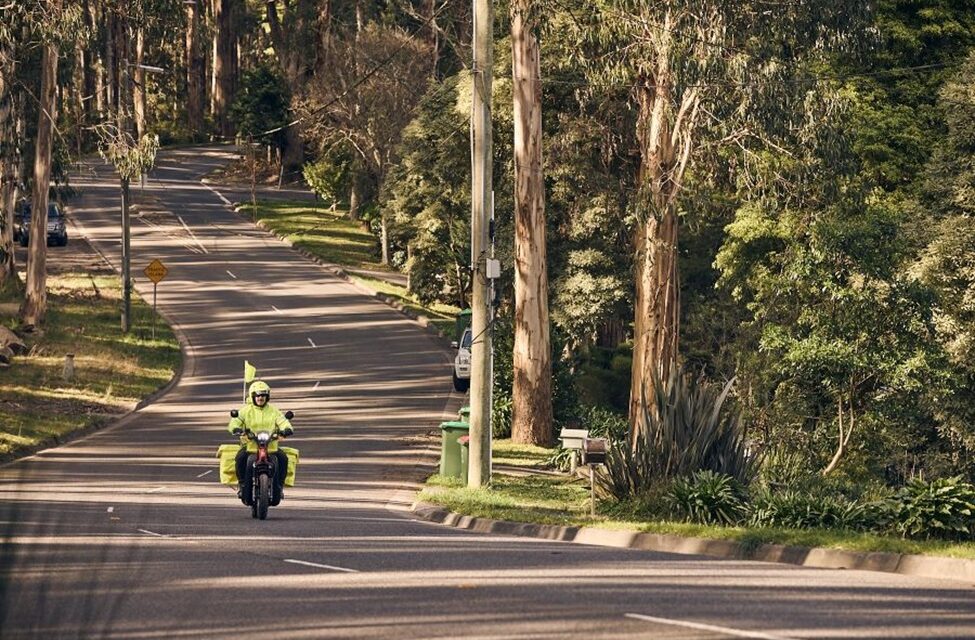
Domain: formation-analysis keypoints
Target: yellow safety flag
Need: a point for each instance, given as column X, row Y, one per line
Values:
column 250, row 372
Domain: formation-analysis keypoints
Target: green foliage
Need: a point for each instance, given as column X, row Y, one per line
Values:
column 262, row 103
column 706, row 497
column 684, row 427
column 942, row 508
column 330, row 176
column 801, row 509
column 131, row 159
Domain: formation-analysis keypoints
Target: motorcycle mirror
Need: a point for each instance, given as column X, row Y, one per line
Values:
column 234, row 413
column 289, row 415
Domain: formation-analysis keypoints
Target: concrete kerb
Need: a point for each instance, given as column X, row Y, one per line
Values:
column 340, row 272
column 904, row 564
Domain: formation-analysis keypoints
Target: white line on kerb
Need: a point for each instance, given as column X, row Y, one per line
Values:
column 314, row 346
column 152, row 533
column 205, row 473
column 231, row 274
column 706, row 627
column 321, row 566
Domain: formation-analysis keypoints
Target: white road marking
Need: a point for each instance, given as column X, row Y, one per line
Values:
column 156, row 490
column 320, row 566
column 205, row 473
column 316, row 385
column 706, row 627
column 192, row 235
column 275, row 308
column 314, row 346
column 231, row 274
column 219, row 195
column 152, row 533
column 111, row 509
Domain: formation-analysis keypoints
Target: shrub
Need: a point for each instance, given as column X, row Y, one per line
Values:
column 685, row 427
column 798, row 510
column 942, row 508
column 706, row 497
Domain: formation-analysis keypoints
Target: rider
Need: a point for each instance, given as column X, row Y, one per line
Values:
column 260, row 415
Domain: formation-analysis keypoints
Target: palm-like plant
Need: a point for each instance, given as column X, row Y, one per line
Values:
column 684, row 427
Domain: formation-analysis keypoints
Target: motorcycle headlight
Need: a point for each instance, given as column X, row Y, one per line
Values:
column 263, row 437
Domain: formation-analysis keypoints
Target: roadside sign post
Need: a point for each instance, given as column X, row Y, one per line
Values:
column 156, row 271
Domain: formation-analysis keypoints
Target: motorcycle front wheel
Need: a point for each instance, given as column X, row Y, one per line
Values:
column 263, row 495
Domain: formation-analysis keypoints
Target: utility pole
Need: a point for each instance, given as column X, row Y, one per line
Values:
column 126, row 260
column 479, row 470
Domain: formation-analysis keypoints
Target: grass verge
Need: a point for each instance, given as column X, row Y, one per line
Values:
column 113, row 371
column 563, row 500
column 331, row 236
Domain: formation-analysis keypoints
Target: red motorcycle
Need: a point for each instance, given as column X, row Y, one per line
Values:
column 263, row 469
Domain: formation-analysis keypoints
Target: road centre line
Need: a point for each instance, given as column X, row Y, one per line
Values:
column 152, row 533
column 706, row 627
column 314, row 346
column 320, row 566
column 111, row 509
column 275, row 308
column 156, row 490
column 205, row 473
column 231, row 274
column 316, row 385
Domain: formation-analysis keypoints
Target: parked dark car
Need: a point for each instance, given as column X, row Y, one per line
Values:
column 57, row 230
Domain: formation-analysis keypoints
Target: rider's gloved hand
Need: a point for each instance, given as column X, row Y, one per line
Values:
column 287, row 432
column 238, row 431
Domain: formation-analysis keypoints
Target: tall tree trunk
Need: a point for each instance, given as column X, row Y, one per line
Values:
column 195, row 71
column 354, row 199
column 531, row 412
column 224, row 64
column 139, row 86
column 8, row 161
column 665, row 144
column 110, row 75
column 384, row 238
column 35, row 300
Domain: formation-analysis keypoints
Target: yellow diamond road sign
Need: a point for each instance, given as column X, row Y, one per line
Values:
column 156, row 271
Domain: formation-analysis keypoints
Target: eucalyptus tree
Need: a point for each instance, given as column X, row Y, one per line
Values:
column 531, row 416
column 686, row 68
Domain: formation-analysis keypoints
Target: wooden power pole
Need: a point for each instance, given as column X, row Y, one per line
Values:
column 479, row 469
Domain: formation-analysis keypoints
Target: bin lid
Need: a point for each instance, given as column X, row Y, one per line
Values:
column 455, row 424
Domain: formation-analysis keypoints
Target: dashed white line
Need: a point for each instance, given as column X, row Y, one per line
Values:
column 156, row 490
column 275, row 308
column 320, row 566
column 205, row 473
column 152, row 533
column 706, row 627
column 219, row 195
column 314, row 346
column 316, row 385
column 231, row 274
column 111, row 509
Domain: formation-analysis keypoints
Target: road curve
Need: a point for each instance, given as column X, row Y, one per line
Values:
column 128, row 534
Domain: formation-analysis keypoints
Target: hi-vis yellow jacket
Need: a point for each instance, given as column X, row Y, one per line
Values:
column 267, row 418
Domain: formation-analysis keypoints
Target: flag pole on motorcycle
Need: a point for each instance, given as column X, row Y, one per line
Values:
column 250, row 372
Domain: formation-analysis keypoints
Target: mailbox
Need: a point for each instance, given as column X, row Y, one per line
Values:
column 573, row 438
column 594, row 450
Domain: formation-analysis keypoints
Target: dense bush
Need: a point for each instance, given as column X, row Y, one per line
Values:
column 799, row 510
column 685, row 427
column 942, row 508
column 706, row 497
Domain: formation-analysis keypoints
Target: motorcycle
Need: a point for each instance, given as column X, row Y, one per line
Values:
column 261, row 492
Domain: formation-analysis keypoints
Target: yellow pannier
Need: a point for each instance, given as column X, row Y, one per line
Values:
column 292, row 453
column 228, row 465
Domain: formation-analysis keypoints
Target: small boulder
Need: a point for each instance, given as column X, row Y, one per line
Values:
column 6, row 355
column 12, row 341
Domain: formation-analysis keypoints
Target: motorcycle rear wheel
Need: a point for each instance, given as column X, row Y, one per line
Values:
column 263, row 495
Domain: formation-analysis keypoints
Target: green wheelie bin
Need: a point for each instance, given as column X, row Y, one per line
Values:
column 450, row 432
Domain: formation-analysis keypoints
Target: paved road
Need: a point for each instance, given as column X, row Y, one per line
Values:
column 127, row 534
